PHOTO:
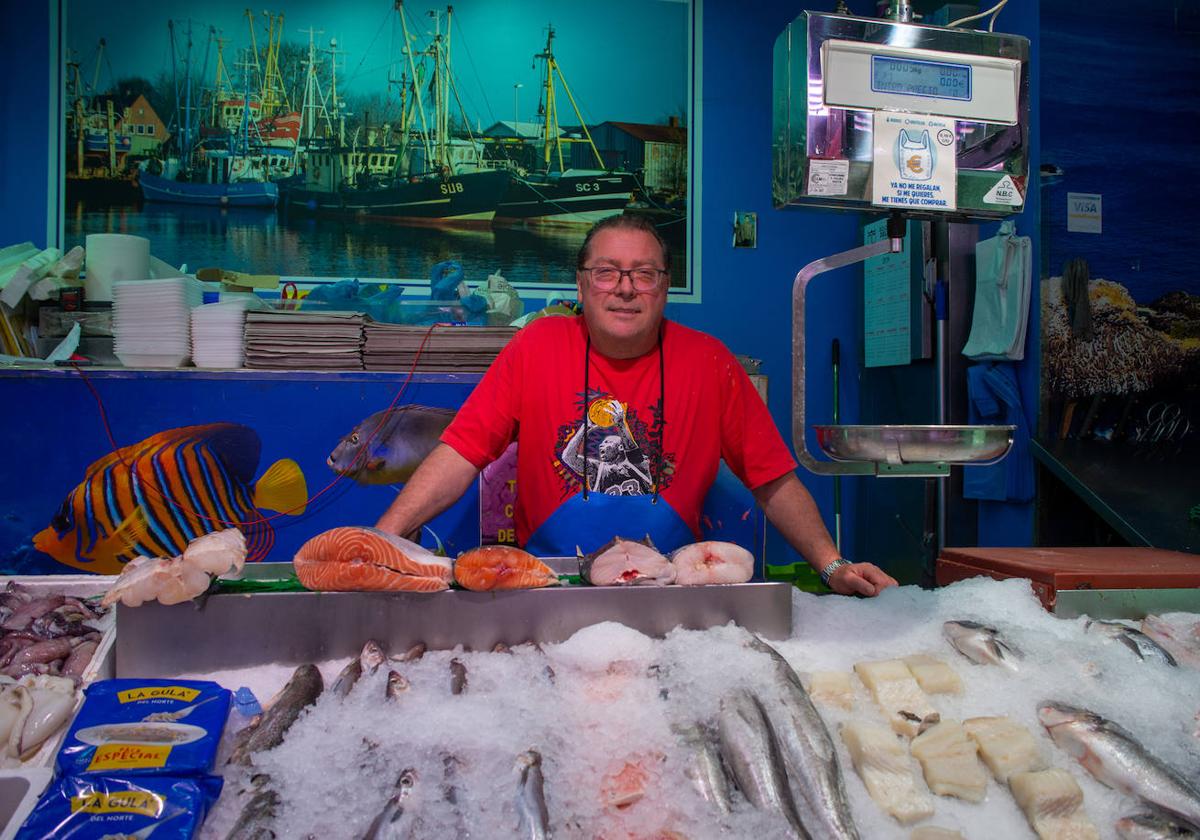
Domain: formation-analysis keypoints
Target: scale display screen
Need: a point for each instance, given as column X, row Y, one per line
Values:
column 913, row 77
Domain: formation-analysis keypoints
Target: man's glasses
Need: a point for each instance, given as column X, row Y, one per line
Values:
column 605, row 278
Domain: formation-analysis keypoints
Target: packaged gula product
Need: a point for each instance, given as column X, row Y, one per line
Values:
column 96, row 806
column 138, row 727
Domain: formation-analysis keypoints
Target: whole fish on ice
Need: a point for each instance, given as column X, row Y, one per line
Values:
column 1119, row 761
column 623, row 562
column 1152, row 827
column 750, row 750
column 492, row 567
column 300, row 692
column 1146, row 648
column 388, row 446
column 981, row 644
column 712, row 562
column 704, row 767
column 532, row 813
column 390, row 822
column 809, row 754
column 354, row 559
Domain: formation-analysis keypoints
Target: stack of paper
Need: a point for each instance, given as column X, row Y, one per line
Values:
column 446, row 349
column 152, row 320
column 304, row 340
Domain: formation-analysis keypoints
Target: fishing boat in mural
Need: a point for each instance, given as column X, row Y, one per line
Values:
column 554, row 192
column 423, row 174
column 223, row 164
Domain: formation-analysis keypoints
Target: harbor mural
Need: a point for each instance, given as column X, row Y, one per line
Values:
column 374, row 139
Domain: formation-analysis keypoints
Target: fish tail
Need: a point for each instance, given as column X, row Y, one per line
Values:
column 282, row 488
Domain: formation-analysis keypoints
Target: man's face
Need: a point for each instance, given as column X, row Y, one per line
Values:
column 623, row 317
column 610, row 449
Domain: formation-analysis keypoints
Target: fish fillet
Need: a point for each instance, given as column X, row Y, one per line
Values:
column 950, row 761
column 835, row 688
column 933, row 675
column 366, row 559
column 892, row 685
column 1053, row 804
column 491, row 567
column 712, row 562
column 1006, row 746
column 881, row 760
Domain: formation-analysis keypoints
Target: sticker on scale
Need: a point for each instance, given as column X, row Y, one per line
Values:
column 913, row 162
column 828, row 177
column 1004, row 192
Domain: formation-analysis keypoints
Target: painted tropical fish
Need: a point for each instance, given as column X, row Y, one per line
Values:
column 155, row 496
column 388, row 446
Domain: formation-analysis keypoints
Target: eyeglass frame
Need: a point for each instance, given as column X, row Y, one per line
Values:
column 659, row 273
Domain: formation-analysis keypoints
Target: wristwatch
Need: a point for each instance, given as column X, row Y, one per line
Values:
column 828, row 571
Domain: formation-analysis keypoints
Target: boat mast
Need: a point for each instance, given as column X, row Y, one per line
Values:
column 412, row 68
column 273, row 94
column 254, row 53
column 551, row 122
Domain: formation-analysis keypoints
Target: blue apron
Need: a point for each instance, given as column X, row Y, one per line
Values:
column 590, row 523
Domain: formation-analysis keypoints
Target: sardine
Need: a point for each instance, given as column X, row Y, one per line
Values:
column 254, row 823
column 301, row 691
column 1152, row 827
column 367, row 662
column 1119, row 761
column 388, row 446
column 1146, row 648
column 390, row 822
column 458, row 677
column 750, row 750
column 811, row 759
column 531, row 798
column 624, row 562
column 412, row 654
column 981, row 644
column 704, row 767
column 396, row 685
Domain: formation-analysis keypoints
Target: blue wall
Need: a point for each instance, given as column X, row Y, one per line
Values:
column 746, row 293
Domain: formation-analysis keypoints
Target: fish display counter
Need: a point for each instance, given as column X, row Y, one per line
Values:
column 650, row 711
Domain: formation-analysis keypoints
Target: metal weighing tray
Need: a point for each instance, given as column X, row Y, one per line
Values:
column 239, row 631
column 896, row 445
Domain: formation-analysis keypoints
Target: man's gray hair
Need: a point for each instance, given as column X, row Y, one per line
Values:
column 625, row 221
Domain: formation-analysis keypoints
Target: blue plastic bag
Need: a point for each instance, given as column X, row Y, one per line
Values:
column 94, row 807
column 138, row 727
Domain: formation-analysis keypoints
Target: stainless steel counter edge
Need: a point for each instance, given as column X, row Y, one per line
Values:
column 289, row 628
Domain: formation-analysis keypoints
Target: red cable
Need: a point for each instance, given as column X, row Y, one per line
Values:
column 268, row 533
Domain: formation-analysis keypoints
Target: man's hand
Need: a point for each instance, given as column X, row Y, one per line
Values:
column 860, row 579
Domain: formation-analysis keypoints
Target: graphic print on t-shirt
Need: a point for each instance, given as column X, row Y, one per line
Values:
column 621, row 450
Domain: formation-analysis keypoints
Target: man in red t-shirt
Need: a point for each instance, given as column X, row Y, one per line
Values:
column 622, row 419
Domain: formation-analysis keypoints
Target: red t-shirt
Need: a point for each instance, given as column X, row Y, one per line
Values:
column 533, row 393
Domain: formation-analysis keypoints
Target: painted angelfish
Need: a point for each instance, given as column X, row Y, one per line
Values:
column 155, row 496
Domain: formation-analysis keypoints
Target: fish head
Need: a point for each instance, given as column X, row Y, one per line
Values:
column 1054, row 714
column 372, row 656
column 348, row 457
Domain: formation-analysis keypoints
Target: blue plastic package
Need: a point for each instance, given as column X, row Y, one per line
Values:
column 139, row 727
column 94, row 807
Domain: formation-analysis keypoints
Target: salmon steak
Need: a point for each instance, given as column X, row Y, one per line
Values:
column 712, row 562
column 356, row 559
column 492, row 567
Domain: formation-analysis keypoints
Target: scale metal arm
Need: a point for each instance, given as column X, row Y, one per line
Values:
column 893, row 244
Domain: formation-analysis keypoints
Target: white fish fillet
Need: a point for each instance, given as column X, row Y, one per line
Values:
column 218, row 553
column 1053, row 804
column 934, row 832
column 835, row 688
column 1005, row 746
column 933, row 675
column 950, row 762
column 881, row 760
column 897, row 693
column 712, row 562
